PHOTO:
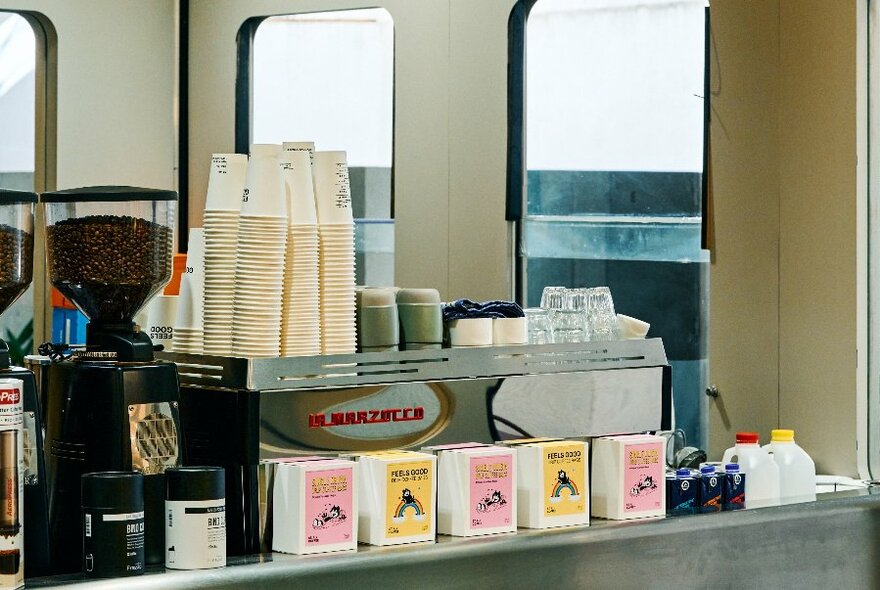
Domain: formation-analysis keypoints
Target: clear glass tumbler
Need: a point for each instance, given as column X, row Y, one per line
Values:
column 540, row 330
column 553, row 297
column 568, row 326
column 602, row 318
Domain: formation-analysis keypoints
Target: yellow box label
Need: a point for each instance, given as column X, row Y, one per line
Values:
column 409, row 501
column 565, row 482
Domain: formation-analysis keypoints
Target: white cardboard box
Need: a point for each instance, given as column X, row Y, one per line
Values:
column 315, row 506
column 476, row 491
column 397, row 499
column 629, row 477
column 553, row 484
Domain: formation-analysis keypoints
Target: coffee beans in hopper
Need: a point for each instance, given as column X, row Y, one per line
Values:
column 16, row 263
column 109, row 265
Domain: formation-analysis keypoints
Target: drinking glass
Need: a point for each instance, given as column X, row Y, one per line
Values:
column 600, row 310
column 540, row 330
column 553, row 297
column 568, row 326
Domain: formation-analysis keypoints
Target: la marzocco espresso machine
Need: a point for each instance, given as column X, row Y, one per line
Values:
column 16, row 272
column 112, row 406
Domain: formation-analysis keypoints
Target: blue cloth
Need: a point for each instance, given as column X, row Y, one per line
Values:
column 465, row 308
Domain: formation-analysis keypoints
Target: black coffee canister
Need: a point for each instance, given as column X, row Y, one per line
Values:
column 113, row 524
column 195, row 518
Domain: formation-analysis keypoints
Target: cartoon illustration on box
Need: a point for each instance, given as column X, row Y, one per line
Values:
column 407, row 500
column 645, row 486
column 563, row 482
column 329, row 517
column 492, row 502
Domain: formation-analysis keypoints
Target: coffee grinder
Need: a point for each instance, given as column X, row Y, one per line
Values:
column 112, row 406
column 16, row 272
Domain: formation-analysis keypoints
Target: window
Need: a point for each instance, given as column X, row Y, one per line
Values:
column 328, row 77
column 17, row 149
column 613, row 143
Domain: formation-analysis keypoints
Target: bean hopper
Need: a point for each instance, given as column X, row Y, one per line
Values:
column 112, row 406
column 16, row 272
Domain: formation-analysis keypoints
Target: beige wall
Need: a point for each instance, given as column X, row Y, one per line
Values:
column 743, row 325
column 450, row 136
column 784, row 282
column 817, row 173
column 115, row 120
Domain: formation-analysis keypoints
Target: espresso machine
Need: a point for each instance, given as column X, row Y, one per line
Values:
column 16, row 273
column 112, row 406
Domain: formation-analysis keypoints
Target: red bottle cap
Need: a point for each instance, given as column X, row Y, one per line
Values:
column 747, row 437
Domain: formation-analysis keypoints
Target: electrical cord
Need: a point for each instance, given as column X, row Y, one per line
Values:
column 510, row 424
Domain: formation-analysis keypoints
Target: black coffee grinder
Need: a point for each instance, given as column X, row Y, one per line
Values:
column 16, row 272
column 112, row 406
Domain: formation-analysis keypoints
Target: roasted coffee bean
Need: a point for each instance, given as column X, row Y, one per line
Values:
column 108, row 265
column 16, row 263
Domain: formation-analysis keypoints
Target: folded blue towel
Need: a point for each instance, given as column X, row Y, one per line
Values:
column 465, row 308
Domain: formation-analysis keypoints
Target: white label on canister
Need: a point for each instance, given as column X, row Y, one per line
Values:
column 195, row 534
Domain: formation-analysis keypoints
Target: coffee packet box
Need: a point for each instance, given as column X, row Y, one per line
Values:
column 266, row 485
column 629, row 477
column 476, row 490
column 397, row 498
column 315, row 506
column 12, row 472
column 552, row 484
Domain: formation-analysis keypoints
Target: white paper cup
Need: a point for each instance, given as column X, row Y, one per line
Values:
column 264, row 189
column 332, row 188
column 160, row 317
column 226, row 182
column 296, row 172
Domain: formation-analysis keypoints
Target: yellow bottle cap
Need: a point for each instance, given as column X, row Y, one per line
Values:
column 782, row 435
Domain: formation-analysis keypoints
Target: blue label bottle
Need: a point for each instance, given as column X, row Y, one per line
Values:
column 710, row 489
column 681, row 493
column 734, row 496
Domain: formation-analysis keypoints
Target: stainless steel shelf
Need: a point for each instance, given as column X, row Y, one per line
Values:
column 383, row 368
column 827, row 544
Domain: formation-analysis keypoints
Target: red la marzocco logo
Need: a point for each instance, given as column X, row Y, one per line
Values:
column 9, row 396
column 366, row 417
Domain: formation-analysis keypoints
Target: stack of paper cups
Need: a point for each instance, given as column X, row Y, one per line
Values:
column 222, row 209
column 300, row 313
column 336, row 254
column 299, row 146
column 259, row 269
column 188, row 330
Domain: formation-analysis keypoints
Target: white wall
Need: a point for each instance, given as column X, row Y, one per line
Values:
column 450, row 139
column 115, row 98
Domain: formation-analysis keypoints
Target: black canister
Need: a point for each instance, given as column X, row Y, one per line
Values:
column 113, row 524
column 195, row 518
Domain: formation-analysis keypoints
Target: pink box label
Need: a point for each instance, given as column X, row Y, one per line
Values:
column 328, row 507
column 491, row 491
column 643, row 476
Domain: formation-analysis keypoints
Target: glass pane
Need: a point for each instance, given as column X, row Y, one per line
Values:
column 329, row 78
column 614, row 129
column 17, row 151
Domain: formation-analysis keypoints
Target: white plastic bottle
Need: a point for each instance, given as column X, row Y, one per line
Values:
column 762, row 474
column 797, row 472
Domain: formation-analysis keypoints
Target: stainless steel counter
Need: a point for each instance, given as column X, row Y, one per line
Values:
column 832, row 543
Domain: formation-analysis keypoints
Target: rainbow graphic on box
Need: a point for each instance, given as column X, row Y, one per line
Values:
column 409, row 502
column 561, row 484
